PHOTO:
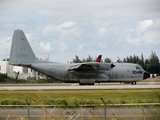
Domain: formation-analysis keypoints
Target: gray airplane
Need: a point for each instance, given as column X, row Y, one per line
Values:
column 87, row 73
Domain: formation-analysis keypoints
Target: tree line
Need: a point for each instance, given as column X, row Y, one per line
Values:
column 150, row 64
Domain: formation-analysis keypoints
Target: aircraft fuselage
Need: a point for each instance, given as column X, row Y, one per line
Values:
column 122, row 72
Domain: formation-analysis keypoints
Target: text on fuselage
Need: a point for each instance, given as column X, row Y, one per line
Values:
column 136, row 72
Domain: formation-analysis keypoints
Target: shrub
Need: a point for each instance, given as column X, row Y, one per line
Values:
column 9, row 101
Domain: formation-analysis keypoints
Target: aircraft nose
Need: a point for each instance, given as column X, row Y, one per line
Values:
column 146, row 75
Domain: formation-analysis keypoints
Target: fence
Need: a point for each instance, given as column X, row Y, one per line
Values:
column 81, row 112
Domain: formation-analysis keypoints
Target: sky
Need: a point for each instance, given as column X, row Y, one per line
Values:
column 61, row 29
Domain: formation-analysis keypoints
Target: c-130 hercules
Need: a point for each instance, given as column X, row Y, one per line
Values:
column 87, row 73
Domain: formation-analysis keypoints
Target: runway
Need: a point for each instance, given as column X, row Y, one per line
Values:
column 68, row 86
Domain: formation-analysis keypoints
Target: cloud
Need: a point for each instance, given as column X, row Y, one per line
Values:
column 144, row 25
column 62, row 46
column 5, row 43
column 66, row 25
column 134, row 41
column 80, row 48
column 94, row 27
column 66, row 30
column 102, row 45
column 102, row 32
column 151, row 38
column 45, row 46
column 48, row 29
column 144, row 34
column 29, row 37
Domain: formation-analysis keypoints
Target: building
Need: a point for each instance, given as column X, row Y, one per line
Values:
column 3, row 67
column 19, row 72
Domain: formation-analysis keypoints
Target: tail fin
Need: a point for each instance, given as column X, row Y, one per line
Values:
column 99, row 58
column 21, row 52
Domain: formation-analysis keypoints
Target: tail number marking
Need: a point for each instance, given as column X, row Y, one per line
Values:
column 22, row 55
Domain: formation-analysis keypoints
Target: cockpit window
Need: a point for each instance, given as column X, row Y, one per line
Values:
column 138, row 67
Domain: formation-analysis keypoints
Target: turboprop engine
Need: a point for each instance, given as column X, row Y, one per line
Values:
column 106, row 66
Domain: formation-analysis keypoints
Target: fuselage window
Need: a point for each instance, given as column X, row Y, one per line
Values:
column 138, row 67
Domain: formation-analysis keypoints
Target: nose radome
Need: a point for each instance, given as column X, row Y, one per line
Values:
column 146, row 75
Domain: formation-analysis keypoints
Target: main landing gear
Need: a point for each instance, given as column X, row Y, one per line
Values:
column 134, row 83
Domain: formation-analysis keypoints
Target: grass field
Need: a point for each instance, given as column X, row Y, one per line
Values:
column 77, row 97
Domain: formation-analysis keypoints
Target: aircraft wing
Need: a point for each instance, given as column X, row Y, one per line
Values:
column 85, row 66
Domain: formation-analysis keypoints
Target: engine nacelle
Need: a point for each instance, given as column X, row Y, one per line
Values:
column 105, row 66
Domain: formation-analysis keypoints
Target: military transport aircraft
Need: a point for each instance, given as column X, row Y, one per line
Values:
column 87, row 73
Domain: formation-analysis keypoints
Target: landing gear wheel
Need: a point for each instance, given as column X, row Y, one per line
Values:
column 91, row 84
column 86, row 83
column 82, row 84
column 133, row 83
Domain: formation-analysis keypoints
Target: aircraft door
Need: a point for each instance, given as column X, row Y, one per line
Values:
column 138, row 72
column 110, row 73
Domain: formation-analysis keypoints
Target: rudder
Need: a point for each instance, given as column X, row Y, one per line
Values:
column 21, row 51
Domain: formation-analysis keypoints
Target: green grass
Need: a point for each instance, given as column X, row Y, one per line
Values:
column 67, row 97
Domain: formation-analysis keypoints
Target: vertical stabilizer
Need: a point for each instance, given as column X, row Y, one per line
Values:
column 21, row 52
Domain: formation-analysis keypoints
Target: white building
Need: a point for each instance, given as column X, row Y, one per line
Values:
column 22, row 72
column 3, row 67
